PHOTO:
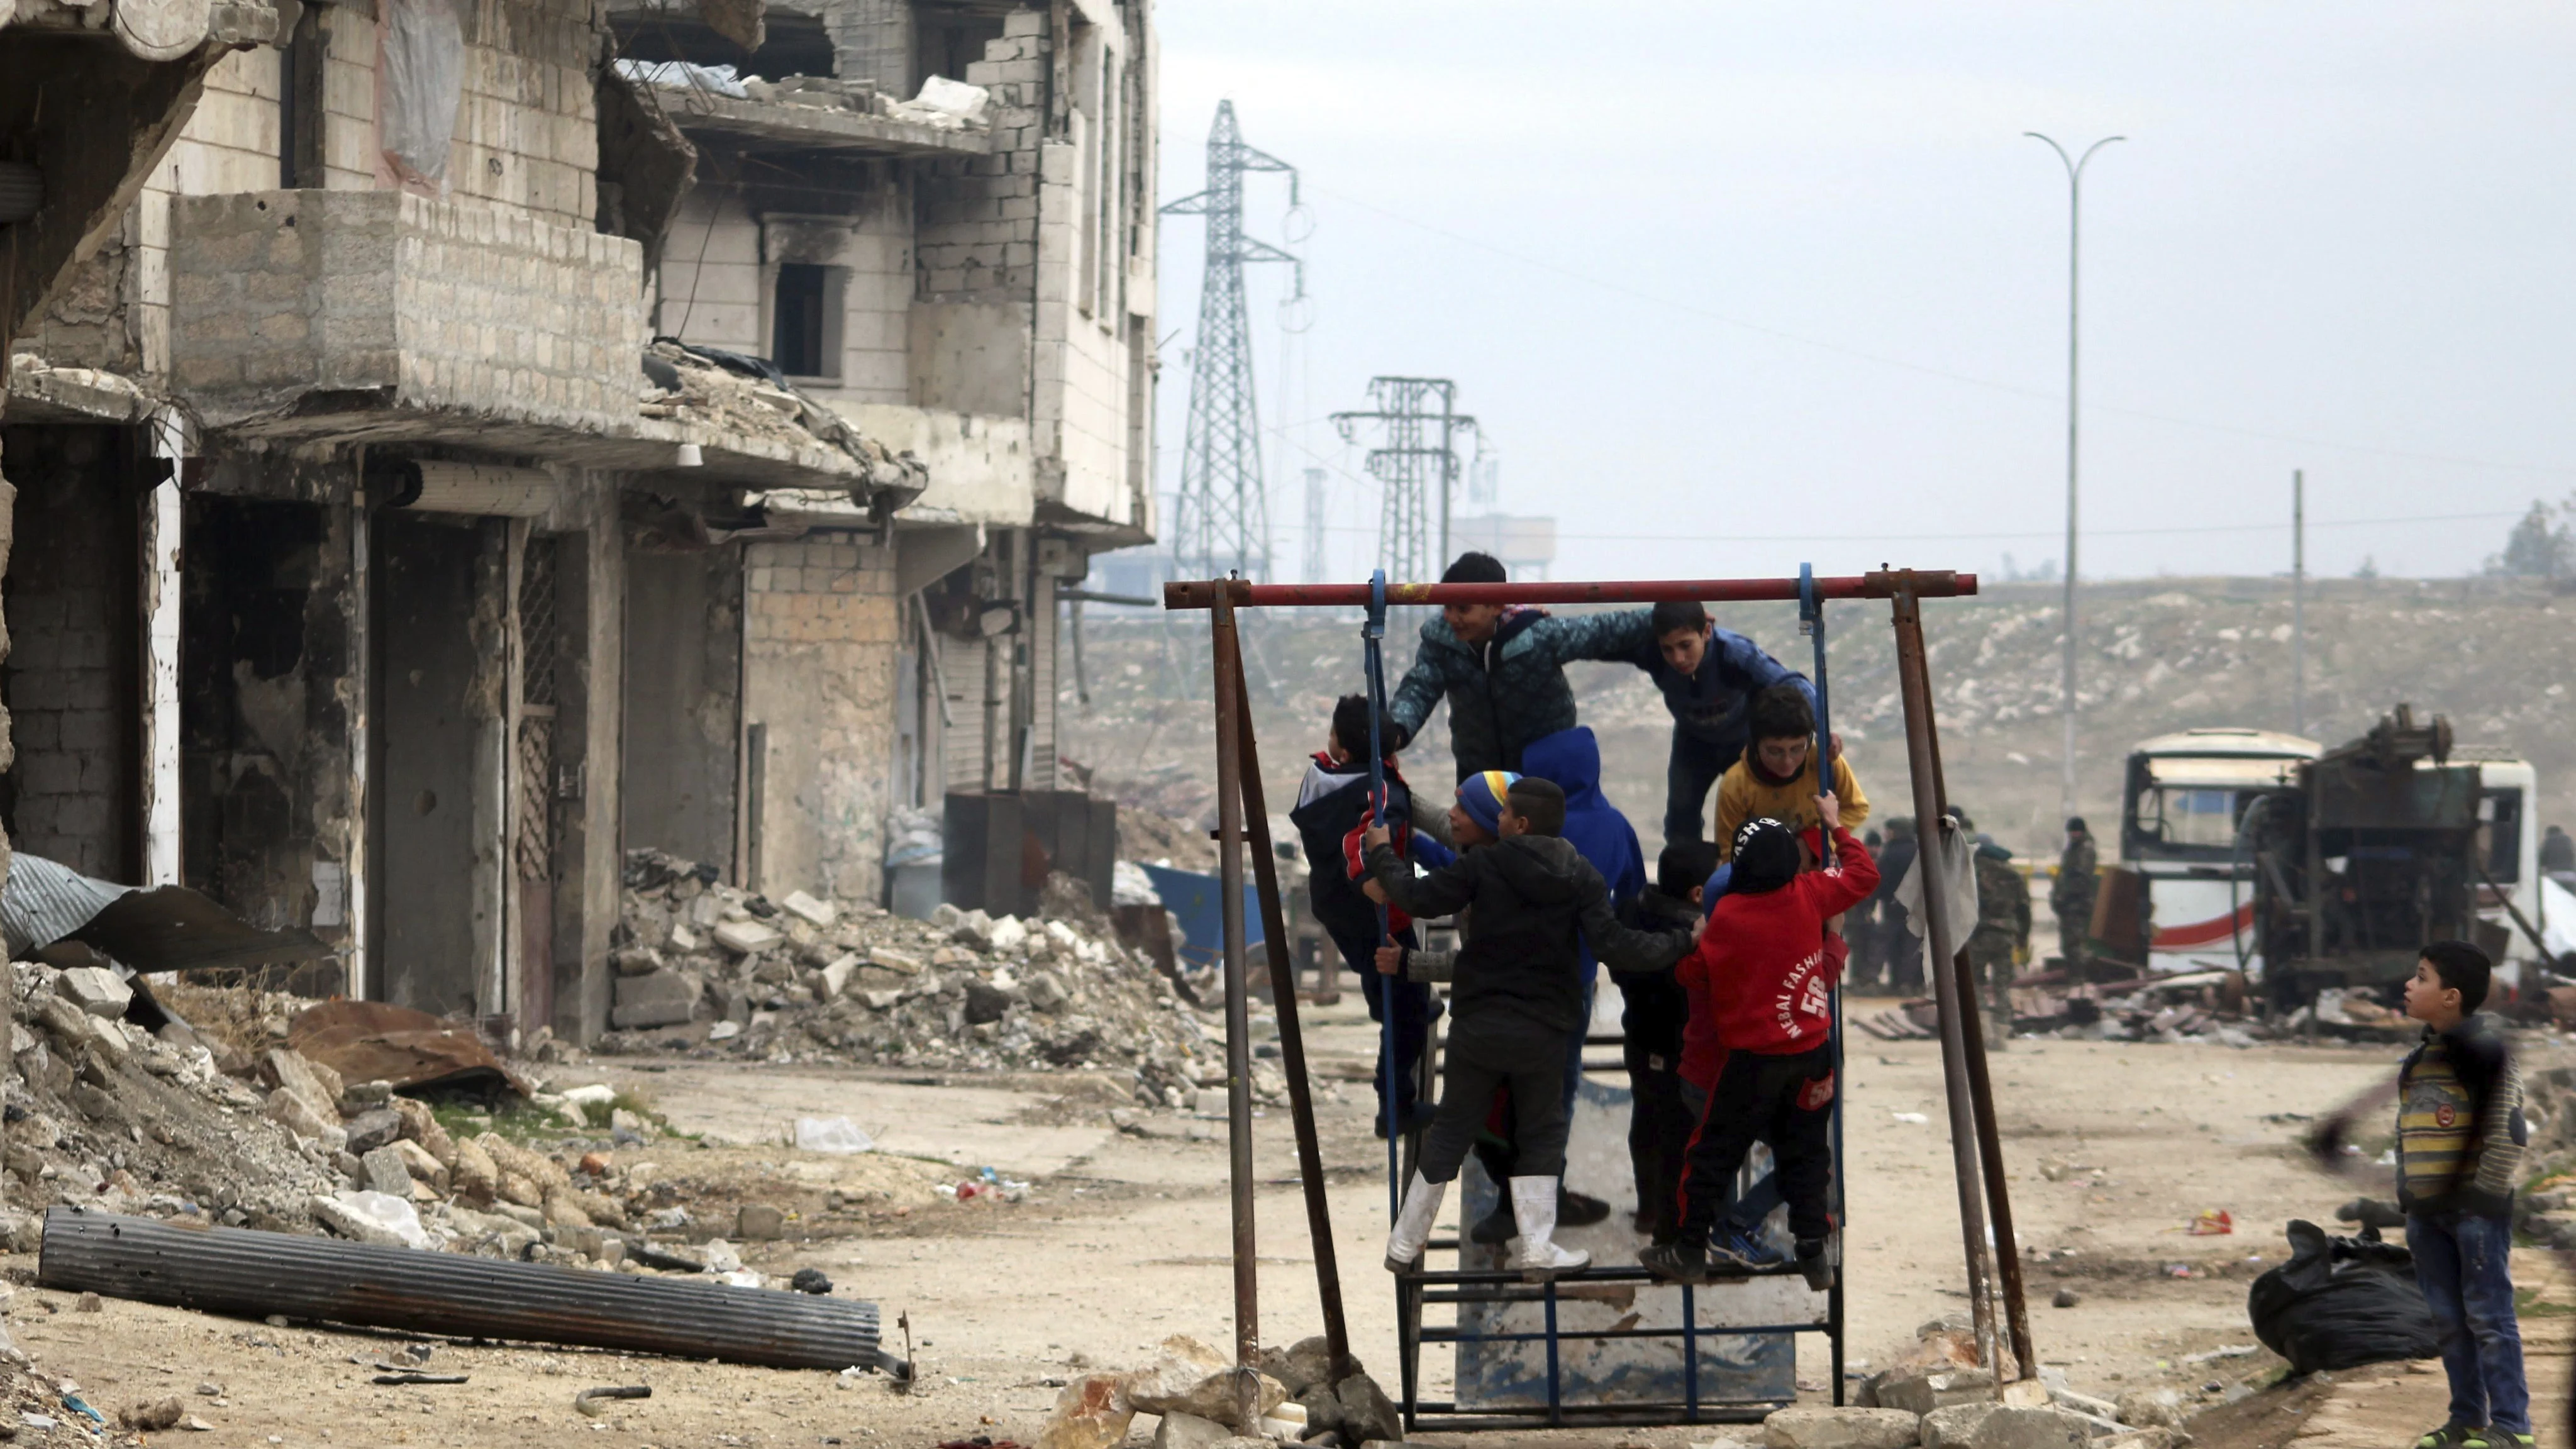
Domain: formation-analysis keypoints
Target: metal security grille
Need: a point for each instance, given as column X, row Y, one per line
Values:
column 537, row 645
column 534, row 839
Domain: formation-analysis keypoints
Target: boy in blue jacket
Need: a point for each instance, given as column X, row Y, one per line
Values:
column 1708, row 677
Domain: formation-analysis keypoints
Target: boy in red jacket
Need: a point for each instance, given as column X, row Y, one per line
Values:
column 1762, row 1044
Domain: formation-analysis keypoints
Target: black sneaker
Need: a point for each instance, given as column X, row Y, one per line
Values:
column 1576, row 1210
column 1814, row 1266
column 1685, row 1263
column 1413, row 1120
column 2450, row 1436
column 1498, row 1226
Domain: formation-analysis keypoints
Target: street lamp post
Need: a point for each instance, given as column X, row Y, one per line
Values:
column 2074, row 233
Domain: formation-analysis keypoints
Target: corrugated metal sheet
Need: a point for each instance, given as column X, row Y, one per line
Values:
column 253, row 1274
column 962, row 742
column 44, row 901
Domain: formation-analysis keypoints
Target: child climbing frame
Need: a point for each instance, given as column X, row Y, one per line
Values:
column 1994, row 1273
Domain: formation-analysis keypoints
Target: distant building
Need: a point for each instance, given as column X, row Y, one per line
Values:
column 1526, row 545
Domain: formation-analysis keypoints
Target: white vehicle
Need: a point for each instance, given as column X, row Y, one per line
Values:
column 2185, row 794
column 2185, row 809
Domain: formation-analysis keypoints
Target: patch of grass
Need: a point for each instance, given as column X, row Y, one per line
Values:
column 2527, row 1303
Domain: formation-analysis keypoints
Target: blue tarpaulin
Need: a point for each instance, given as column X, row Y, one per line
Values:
column 1199, row 901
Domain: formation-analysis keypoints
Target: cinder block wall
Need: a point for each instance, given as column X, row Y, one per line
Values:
column 819, row 673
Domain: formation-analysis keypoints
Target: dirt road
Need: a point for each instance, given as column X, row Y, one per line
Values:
column 1122, row 1240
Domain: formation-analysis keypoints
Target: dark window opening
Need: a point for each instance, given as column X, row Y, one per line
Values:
column 799, row 335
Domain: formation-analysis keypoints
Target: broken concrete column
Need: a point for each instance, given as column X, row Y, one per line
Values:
column 1952, row 1427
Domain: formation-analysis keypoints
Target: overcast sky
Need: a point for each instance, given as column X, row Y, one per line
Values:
column 1735, row 285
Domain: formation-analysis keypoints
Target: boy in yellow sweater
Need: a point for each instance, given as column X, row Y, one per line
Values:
column 1776, row 779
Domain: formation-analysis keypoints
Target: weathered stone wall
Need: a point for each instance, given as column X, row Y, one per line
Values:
column 721, row 263
column 819, row 673
column 442, row 304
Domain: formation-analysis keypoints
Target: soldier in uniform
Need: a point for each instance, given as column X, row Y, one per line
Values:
column 2003, row 927
column 2071, row 895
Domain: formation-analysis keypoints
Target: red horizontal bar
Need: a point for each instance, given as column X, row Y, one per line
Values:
column 1923, row 583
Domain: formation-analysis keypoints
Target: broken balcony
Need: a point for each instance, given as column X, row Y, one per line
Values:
column 382, row 315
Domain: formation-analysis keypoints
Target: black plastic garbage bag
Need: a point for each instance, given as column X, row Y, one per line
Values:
column 2340, row 1303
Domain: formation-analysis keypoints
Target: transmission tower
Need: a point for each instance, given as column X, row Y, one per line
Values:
column 1421, row 423
column 1222, row 518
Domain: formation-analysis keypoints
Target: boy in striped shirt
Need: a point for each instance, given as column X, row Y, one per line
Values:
column 2460, row 1135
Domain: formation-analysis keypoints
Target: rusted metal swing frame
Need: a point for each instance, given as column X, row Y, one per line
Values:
column 1994, row 1277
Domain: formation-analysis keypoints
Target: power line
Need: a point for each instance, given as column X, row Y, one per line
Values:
column 1929, row 370
column 2000, row 536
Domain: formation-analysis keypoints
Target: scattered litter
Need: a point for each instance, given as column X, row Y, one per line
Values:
column 1916, row 1118
column 2210, row 1223
column 407, row 1377
column 810, row 1280
column 2232, row 1350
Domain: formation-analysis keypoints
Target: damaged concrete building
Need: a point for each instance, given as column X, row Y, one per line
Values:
column 443, row 463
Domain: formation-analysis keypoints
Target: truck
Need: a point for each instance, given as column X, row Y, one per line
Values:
column 2306, row 867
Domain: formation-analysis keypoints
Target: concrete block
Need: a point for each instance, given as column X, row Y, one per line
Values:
column 95, row 990
column 2151, row 1408
column 2009, row 1427
column 384, row 1170
column 1840, row 1429
column 745, row 937
column 1921, row 1393
column 664, row 998
column 1953, row 1427
column 371, row 1130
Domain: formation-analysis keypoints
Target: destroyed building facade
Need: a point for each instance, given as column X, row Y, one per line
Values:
column 446, row 458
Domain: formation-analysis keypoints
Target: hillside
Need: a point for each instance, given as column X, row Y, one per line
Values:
column 2158, row 655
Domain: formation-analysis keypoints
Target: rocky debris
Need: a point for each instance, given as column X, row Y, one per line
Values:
column 2009, row 1427
column 1954, row 1426
column 706, row 968
column 105, row 1114
column 1091, row 1413
column 1920, row 1394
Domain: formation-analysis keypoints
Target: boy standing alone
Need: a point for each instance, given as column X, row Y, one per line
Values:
column 2460, row 1135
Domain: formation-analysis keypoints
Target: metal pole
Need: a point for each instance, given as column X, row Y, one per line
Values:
column 1925, row 584
column 1990, row 1156
column 2074, row 274
column 1940, row 945
column 1238, row 1015
column 2298, row 601
column 1373, row 663
column 1811, row 611
column 1292, row 1040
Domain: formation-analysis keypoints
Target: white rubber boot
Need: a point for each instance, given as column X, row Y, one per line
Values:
column 1413, row 1224
column 1537, row 1257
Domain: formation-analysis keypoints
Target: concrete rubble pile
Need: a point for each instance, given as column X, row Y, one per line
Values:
column 103, row 1113
column 704, row 966
column 182, row 1126
column 1936, row 1397
column 1193, row 1393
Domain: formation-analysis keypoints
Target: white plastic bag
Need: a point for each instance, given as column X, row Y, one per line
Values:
column 424, row 80
column 832, row 1134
